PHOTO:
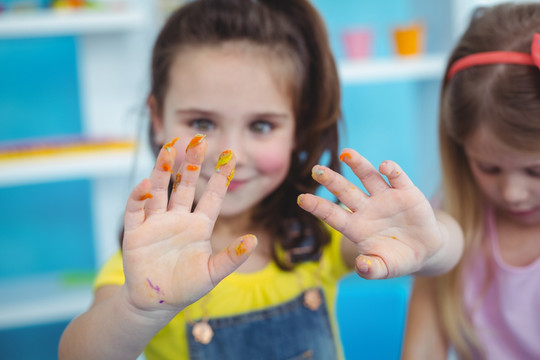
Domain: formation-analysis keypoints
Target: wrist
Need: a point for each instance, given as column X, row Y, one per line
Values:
column 145, row 316
column 450, row 250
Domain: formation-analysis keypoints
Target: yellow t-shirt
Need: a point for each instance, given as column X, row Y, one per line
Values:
column 242, row 293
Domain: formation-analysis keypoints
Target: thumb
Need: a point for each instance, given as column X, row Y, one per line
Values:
column 371, row 267
column 228, row 260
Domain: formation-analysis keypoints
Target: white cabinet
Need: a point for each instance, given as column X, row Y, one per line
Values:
column 113, row 54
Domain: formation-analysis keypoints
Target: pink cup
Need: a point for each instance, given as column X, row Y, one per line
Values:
column 357, row 43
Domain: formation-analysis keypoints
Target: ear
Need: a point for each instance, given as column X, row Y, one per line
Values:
column 156, row 119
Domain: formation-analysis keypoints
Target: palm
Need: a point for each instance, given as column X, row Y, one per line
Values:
column 393, row 225
column 397, row 226
column 167, row 255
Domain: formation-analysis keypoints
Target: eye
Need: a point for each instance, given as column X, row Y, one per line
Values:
column 261, row 127
column 488, row 169
column 202, row 125
column 533, row 171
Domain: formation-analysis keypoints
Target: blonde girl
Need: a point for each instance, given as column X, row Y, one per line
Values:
column 488, row 307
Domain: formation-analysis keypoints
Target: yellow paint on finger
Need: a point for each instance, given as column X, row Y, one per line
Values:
column 224, row 159
column 299, row 199
column 317, row 173
column 230, row 177
column 197, row 139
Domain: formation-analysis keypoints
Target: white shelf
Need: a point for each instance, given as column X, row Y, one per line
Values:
column 83, row 22
column 39, row 169
column 414, row 68
column 41, row 299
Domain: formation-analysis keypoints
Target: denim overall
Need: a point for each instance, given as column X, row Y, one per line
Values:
column 289, row 331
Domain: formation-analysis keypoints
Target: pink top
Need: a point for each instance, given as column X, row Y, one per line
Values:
column 507, row 317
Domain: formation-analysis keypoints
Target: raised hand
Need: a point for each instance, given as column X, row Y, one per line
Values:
column 393, row 226
column 167, row 255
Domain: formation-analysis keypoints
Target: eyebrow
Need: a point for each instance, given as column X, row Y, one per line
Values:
column 207, row 113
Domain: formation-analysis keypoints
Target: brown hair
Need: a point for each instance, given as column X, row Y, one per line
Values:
column 503, row 98
column 294, row 29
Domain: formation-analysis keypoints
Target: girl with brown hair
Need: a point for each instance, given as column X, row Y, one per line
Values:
column 257, row 78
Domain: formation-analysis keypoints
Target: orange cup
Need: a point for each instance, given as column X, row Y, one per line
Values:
column 409, row 40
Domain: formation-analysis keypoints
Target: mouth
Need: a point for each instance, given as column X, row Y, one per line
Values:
column 235, row 184
column 522, row 213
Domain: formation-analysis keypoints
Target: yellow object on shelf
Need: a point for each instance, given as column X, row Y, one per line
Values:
column 409, row 40
column 14, row 151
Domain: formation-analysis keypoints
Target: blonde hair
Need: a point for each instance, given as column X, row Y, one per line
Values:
column 506, row 100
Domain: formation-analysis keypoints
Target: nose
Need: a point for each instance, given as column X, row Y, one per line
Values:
column 514, row 189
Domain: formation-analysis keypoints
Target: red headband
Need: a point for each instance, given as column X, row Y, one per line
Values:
column 499, row 57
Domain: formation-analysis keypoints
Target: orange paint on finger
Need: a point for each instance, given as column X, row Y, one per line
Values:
column 170, row 144
column 224, row 159
column 241, row 248
column 192, row 167
column 166, row 167
column 146, row 196
column 393, row 237
column 197, row 139
column 344, row 156
column 177, row 181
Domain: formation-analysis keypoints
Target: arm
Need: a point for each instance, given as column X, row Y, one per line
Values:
column 393, row 228
column 423, row 336
column 167, row 258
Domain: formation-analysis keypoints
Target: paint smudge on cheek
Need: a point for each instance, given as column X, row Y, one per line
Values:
column 146, row 196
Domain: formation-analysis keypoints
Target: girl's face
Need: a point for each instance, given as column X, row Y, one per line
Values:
column 509, row 179
column 235, row 96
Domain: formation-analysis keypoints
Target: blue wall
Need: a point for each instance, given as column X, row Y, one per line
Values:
column 45, row 227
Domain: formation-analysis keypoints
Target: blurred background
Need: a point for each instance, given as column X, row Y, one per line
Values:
column 73, row 83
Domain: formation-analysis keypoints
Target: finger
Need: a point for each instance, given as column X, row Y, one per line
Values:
column 361, row 167
column 188, row 173
column 350, row 195
column 371, row 267
column 397, row 177
column 228, row 260
column 212, row 198
column 332, row 214
column 160, row 178
column 135, row 215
